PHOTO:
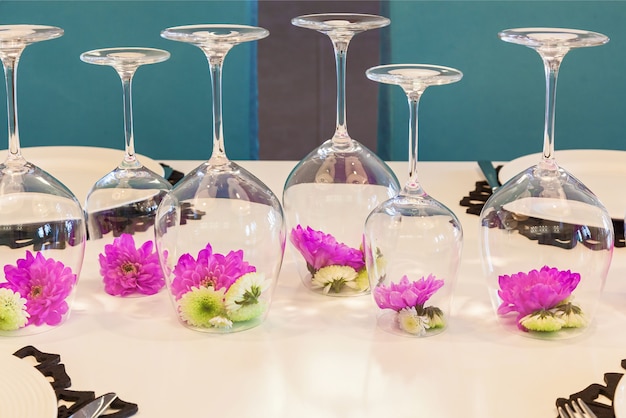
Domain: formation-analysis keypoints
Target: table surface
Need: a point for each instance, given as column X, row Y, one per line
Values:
column 318, row 356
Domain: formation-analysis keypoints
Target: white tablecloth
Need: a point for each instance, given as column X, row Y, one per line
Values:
column 319, row 356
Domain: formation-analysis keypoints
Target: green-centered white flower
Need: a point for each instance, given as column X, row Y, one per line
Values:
column 200, row 305
column 334, row 278
column 409, row 321
column 220, row 322
column 544, row 321
column 242, row 299
column 13, row 313
column 245, row 291
column 435, row 317
column 362, row 280
column 248, row 312
column 571, row 314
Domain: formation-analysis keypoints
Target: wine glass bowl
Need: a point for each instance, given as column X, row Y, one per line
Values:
column 330, row 192
column 42, row 228
column 546, row 239
column 412, row 242
column 220, row 230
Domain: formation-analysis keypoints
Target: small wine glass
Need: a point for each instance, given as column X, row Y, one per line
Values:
column 220, row 231
column 331, row 191
column 413, row 242
column 122, row 205
column 42, row 227
column 546, row 239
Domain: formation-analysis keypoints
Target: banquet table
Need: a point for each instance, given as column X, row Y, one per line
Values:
column 319, row 356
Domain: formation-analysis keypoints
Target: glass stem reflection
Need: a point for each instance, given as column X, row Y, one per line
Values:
column 10, row 60
column 341, row 137
column 413, row 186
column 551, row 66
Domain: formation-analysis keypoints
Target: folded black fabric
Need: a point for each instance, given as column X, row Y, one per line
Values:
column 50, row 366
column 171, row 175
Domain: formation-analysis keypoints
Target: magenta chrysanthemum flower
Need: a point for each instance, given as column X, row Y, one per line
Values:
column 321, row 250
column 126, row 269
column 405, row 294
column 209, row 269
column 44, row 283
column 526, row 293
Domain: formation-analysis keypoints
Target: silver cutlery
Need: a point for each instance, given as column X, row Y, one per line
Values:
column 96, row 407
column 576, row 409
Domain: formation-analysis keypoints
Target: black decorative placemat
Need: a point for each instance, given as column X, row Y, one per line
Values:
column 593, row 395
column 475, row 200
column 70, row 401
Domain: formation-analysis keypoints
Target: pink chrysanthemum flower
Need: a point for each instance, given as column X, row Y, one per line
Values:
column 126, row 269
column 321, row 250
column 209, row 269
column 405, row 294
column 44, row 283
column 527, row 293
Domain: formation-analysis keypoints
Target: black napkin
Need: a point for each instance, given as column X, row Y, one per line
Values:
column 50, row 366
column 475, row 200
column 173, row 176
column 593, row 394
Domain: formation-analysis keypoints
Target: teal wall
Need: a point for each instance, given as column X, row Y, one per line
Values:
column 497, row 111
column 63, row 101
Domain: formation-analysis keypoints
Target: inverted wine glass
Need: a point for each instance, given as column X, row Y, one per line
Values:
column 331, row 191
column 546, row 239
column 220, row 230
column 121, row 206
column 413, row 242
column 42, row 227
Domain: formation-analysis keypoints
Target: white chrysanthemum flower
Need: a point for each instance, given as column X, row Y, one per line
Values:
column 411, row 322
column 245, row 291
column 571, row 314
column 362, row 280
column 334, row 278
column 200, row 305
column 13, row 313
column 220, row 322
column 248, row 312
column 544, row 321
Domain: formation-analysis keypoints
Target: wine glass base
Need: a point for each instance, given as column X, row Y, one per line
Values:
column 339, row 291
column 227, row 329
column 509, row 324
column 389, row 322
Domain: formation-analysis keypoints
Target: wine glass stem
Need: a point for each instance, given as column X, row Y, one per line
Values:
column 218, row 156
column 551, row 66
column 9, row 62
column 413, row 186
column 341, row 137
column 129, row 158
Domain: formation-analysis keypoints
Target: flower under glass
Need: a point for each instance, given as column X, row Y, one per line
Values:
column 334, row 267
column 408, row 301
column 127, row 270
column 219, row 292
column 45, row 284
column 542, row 299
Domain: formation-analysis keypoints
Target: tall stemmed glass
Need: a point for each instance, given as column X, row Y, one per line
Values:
column 42, row 226
column 546, row 240
column 413, row 242
column 330, row 192
column 220, row 231
column 122, row 205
